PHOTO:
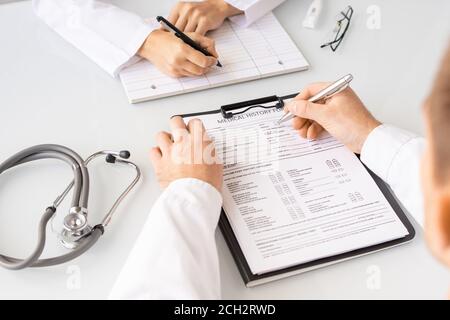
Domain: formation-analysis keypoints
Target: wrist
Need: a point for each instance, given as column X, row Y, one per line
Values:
column 217, row 185
column 146, row 50
column 372, row 124
column 213, row 177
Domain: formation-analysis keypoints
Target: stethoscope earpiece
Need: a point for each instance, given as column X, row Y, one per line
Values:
column 110, row 158
column 124, row 154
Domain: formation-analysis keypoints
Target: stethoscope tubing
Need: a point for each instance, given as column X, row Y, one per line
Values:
column 80, row 186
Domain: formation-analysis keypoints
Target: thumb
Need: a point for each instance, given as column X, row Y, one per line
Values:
column 155, row 156
column 306, row 109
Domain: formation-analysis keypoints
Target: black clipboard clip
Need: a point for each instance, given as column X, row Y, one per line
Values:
column 227, row 110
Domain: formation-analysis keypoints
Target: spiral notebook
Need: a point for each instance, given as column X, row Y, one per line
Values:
column 262, row 50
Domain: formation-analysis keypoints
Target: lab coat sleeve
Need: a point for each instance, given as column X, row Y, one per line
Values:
column 395, row 156
column 253, row 10
column 175, row 256
column 105, row 33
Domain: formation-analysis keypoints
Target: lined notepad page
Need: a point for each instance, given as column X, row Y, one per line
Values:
column 262, row 50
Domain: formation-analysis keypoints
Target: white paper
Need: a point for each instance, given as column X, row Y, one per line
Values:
column 264, row 49
column 290, row 200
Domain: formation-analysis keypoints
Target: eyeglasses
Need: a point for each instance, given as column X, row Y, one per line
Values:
column 341, row 29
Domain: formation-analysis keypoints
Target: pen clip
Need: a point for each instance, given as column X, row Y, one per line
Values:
column 329, row 95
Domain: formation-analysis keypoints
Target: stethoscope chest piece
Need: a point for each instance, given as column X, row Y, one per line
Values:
column 75, row 228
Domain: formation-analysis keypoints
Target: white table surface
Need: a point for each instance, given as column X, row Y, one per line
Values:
column 51, row 93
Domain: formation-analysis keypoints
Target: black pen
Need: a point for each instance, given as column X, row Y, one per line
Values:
column 170, row 27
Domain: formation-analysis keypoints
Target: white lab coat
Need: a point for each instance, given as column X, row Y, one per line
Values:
column 175, row 256
column 111, row 36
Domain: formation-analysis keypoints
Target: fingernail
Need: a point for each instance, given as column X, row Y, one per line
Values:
column 211, row 61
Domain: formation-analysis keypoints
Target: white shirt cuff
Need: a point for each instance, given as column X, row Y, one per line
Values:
column 395, row 156
column 132, row 47
column 381, row 148
column 175, row 247
column 195, row 192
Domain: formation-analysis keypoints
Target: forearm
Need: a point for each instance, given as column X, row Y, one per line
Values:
column 175, row 256
column 395, row 156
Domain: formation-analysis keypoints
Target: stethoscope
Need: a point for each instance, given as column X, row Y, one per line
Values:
column 76, row 234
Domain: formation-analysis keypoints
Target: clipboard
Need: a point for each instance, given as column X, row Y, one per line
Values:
column 250, row 279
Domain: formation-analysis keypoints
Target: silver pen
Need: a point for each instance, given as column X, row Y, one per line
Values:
column 323, row 94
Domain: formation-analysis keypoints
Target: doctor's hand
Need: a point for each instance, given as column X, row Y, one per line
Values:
column 200, row 17
column 344, row 116
column 175, row 58
column 186, row 152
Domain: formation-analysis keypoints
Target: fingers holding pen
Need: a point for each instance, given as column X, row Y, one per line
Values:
column 307, row 116
column 175, row 58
